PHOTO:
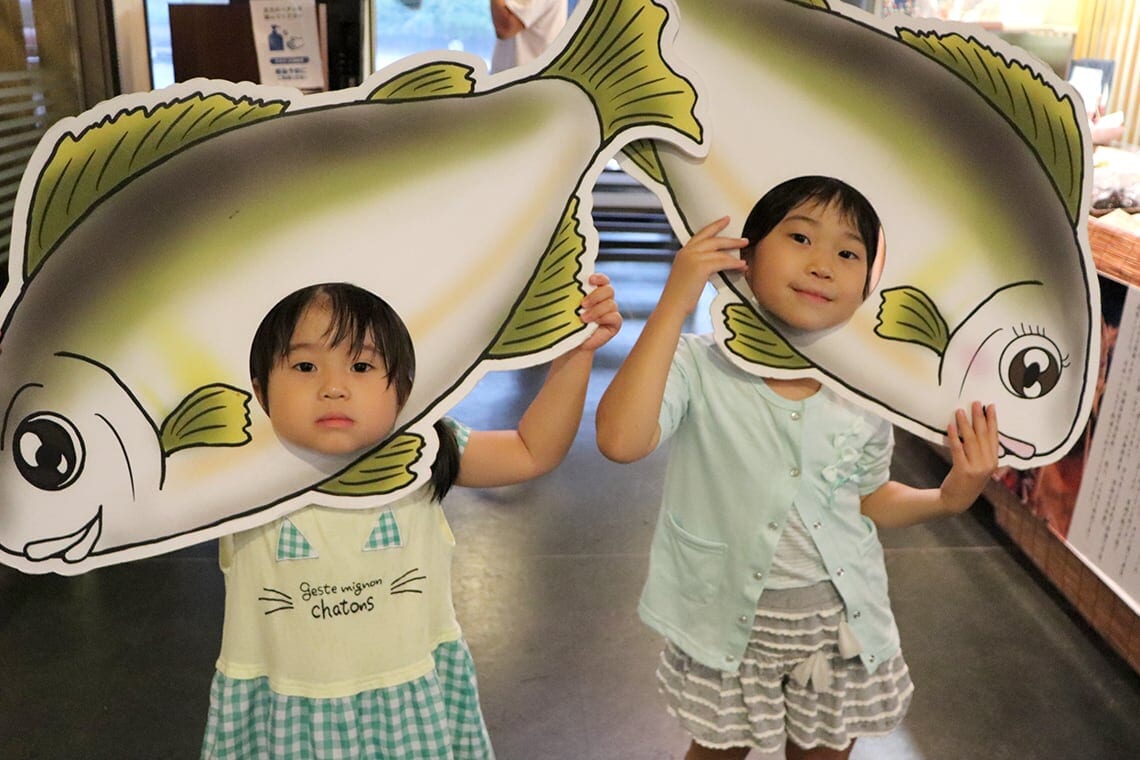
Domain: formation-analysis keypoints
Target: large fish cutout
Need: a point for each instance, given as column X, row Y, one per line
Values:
column 155, row 231
column 977, row 159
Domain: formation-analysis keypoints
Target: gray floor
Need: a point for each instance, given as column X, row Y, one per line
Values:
column 117, row 663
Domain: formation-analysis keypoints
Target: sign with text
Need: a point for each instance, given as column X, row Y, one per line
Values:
column 287, row 37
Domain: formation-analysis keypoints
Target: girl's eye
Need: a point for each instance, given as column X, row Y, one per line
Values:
column 305, row 367
column 361, row 367
column 849, row 255
column 799, row 237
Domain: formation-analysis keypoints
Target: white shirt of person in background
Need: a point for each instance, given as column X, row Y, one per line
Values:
column 524, row 29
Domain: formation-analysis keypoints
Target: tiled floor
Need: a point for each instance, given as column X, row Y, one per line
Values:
column 116, row 663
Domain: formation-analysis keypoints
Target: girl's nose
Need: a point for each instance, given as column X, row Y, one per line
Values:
column 819, row 267
column 334, row 389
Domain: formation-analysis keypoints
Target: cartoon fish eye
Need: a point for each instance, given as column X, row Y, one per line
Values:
column 1031, row 366
column 48, row 450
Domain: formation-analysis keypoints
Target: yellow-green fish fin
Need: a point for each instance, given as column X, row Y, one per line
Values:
column 643, row 154
column 754, row 341
column 84, row 168
column 814, row 4
column 213, row 415
column 432, row 80
column 382, row 471
column 909, row 315
column 547, row 311
column 615, row 57
column 1046, row 120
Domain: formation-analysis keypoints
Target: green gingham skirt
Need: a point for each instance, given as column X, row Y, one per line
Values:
column 798, row 680
column 435, row 717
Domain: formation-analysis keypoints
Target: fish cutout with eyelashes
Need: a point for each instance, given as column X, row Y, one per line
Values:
column 977, row 159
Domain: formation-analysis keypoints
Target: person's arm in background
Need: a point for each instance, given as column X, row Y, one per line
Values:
column 507, row 24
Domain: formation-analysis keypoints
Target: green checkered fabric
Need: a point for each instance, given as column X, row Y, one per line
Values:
column 436, row 717
column 386, row 534
column 291, row 544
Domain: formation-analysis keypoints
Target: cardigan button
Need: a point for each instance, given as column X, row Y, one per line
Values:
column 856, row 615
column 795, row 415
column 794, row 472
column 758, row 575
column 744, row 620
column 730, row 658
column 773, row 526
column 840, row 572
column 817, row 525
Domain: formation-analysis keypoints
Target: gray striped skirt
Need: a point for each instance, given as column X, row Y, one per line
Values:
column 798, row 680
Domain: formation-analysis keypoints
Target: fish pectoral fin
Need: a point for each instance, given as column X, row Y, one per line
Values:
column 84, row 168
column 615, row 57
column 432, row 80
column 1046, row 120
column 382, row 471
column 754, row 341
column 909, row 315
column 213, row 415
column 643, row 154
column 547, row 312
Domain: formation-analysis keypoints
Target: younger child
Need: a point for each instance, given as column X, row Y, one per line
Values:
column 765, row 575
column 340, row 639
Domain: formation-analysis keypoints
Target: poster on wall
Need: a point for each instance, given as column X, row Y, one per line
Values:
column 287, row 37
column 1106, row 517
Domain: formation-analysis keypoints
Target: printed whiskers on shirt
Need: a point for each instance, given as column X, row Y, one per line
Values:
column 278, row 600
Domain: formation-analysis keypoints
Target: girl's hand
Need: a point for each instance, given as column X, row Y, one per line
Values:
column 704, row 255
column 600, row 308
column 974, row 451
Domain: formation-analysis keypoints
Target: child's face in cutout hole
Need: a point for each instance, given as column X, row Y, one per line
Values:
column 324, row 398
column 810, row 270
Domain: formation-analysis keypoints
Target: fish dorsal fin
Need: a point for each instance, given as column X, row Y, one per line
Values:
column 1046, row 120
column 547, row 311
column 907, row 314
column 382, row 471
column 213, row 415
column 643, row 154
column 615, row 57
column 85, row 168
column 432, row 80
column 755, row 342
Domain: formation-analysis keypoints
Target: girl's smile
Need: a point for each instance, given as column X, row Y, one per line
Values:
column 810, row 270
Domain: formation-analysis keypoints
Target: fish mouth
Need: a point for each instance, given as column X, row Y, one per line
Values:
column 74, row 547
column 1015, row 448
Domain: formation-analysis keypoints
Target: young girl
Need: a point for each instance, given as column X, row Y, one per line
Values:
column 765, row 575
column 340, row 639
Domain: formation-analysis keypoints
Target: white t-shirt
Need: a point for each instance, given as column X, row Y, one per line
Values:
column 542, row 19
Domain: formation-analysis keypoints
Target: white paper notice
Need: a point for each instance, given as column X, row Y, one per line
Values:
column 287, row 39
column 1106, row 520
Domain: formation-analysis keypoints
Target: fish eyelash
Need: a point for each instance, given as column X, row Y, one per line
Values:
column 1039, row 331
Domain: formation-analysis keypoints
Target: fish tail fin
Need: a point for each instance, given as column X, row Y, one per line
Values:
column 615, row 57
column 547, row 310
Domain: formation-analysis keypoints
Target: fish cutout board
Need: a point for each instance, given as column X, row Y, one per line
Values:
column 977, row 158
column 153, row 232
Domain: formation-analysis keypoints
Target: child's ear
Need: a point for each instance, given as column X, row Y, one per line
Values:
column 257, row 392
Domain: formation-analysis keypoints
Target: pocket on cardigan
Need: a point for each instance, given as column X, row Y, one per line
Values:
column 695, row 565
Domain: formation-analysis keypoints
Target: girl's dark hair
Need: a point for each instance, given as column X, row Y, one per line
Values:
column 771, row 209
column 356, row 316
